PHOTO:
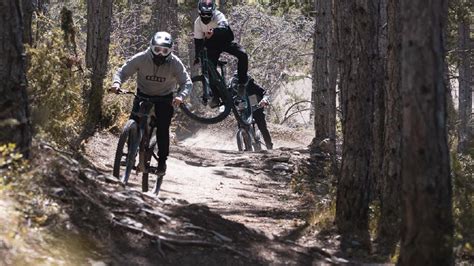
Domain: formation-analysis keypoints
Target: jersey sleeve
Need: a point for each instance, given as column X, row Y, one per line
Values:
column 130, row 67
column 198, row 33
column 184, row 81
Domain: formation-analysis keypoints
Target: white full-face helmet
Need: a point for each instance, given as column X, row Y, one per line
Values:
column 161, row 44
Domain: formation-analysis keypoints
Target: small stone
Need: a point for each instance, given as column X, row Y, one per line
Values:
column 281, row 167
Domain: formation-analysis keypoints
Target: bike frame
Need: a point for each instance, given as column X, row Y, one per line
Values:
column 213, row 77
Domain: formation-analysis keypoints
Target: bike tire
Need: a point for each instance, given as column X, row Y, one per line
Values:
column 128, row 137
column 244, row 141
column 228, row 97
column 148, row 160
column 257, row 144
column 198, row 111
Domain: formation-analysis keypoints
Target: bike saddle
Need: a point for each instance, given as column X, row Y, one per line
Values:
column 221, row 63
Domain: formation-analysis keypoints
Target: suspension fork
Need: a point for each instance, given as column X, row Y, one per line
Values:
column 205, row 74
column 143, row 134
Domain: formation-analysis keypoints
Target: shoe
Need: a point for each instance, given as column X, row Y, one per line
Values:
column 161, row 170
column 214, row 102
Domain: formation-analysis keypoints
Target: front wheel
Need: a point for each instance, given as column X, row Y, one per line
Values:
column 126, row 151
column 150, row 164
column 257, row 144
column 200, row 109
column 244, row 141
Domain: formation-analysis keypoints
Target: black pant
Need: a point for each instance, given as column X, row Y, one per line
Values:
column 163, row 112
column 259, row 117
column 236, row 50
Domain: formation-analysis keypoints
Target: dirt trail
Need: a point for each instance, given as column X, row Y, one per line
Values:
column 217, row 206
column 246, row 187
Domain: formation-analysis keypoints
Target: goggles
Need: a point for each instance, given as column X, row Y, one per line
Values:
column 160, row 50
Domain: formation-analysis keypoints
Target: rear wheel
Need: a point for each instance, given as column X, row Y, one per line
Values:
column 126, row 151
column 198, row 110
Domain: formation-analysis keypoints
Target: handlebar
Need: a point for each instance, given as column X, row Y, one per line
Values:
column 151, row 99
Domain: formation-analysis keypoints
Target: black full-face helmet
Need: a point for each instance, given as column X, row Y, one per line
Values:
column 206, row 9
column 161, row 46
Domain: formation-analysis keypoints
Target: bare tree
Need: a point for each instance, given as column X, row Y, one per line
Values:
column 465, row 77
column 324, row 85
column 427, row 224
column 99, row 17
column 15, row 124
column 357, row 28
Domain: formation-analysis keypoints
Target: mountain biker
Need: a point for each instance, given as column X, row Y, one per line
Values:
column 211, row 29
column 158, row 70
column 258, row 96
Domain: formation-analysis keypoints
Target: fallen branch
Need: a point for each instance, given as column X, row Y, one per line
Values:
column 216, row 234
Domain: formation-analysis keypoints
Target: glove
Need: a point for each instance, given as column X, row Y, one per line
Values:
column 115, row 88
column 264, row 102
column 177, row 101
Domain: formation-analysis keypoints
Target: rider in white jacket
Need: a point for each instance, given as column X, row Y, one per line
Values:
column 211, row 29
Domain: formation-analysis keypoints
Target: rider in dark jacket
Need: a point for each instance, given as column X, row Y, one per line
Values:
column 258, row 96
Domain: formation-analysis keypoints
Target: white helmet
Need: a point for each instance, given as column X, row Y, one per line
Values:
column 161, row 44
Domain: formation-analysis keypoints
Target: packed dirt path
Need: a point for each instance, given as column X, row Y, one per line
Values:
column 217, row 206
column 252, row 188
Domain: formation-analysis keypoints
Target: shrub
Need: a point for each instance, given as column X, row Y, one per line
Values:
column 56, row 82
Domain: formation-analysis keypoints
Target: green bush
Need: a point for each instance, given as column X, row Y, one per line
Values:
column 56, row 82
column 12, row 164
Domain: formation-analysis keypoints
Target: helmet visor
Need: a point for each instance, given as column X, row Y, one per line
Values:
column 160, row 50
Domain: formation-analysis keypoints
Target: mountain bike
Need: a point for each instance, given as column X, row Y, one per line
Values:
column 139, row 137
column 249, row 137
column 211, row 83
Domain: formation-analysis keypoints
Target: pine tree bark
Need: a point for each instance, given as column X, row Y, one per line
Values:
column 15, row 124
column 27, row 8
column 465, row 93
column 391, row 183
column 379, row 100
column 357, row 27
column 427, row 224
column 165, row 18
column 99, row 20
column 324, row 86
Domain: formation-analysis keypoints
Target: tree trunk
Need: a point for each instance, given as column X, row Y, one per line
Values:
column 390, row 189
column 324, row 87
column 356, row 30
column 99, row 18
column 427, row 224
column 165, row 18
column 379, row 100
column 465, row 93
column 223, row 6
column 27, row 8
column 15, row 124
